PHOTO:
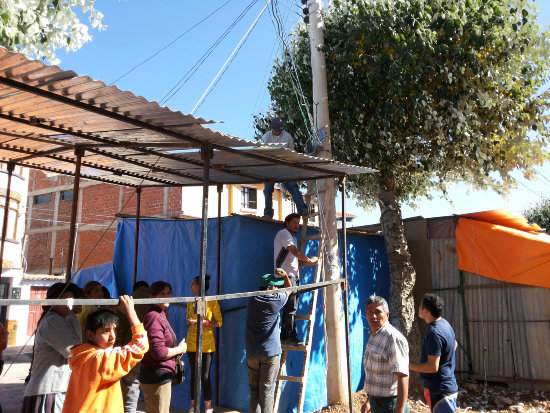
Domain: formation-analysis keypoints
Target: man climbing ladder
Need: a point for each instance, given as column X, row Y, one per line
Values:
column 286, row 256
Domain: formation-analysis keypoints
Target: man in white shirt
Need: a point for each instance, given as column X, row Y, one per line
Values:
column 286, row 256
column 279, row 135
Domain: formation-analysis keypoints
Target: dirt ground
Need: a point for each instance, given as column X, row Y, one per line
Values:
column 473, row 397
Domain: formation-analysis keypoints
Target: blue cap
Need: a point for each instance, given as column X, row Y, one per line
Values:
column 277, row 124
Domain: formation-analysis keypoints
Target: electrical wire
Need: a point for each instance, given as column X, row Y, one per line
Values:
column 171, row 43
column 185, row 78
column 229, row 60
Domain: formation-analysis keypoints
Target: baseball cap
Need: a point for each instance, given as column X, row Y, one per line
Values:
column 268, row 280
column 277, row 124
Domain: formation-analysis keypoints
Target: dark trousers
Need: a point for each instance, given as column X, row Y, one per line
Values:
column 205, row 376
column 288, row 329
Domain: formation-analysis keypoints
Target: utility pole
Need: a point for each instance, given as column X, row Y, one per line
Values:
column 337, row 391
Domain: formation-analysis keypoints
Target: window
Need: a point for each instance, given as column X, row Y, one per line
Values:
column 13, row 216
column 42, row 199
column 249, row 198
column 66, row 195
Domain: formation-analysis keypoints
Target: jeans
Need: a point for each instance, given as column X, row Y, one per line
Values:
column 385, row 404
column 292, row 188
column 130, row 389
column 288, row 328
column 262, row 373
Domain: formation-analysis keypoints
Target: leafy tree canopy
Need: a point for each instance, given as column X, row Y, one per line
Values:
column 539, row 214
column 427, row 92
column 39, row 27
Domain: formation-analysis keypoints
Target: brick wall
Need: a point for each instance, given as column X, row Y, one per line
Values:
column 99, row 204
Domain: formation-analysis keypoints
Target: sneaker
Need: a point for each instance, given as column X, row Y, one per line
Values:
column 209, row 411
column 293, row 341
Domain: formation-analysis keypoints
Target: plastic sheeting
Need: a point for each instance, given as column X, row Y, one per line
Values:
column 102, row 273
column 514, row 253
column 169, row 250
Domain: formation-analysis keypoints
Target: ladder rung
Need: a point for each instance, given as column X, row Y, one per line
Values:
column 302, row 317
column 312, row 237
column 291, row 378
column 287, row 347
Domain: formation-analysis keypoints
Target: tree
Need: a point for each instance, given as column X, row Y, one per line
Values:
column 39, row 27
column 428, row 93
column 539, row 214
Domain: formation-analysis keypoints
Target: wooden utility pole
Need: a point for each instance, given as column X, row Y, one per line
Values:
column 337, row 391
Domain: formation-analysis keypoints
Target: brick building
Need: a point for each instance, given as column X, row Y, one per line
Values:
column 99, row 205
column 49, row 217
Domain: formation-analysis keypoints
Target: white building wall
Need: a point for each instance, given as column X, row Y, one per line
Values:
column 231, row 202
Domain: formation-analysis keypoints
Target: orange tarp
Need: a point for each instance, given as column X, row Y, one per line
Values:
column 499, row 245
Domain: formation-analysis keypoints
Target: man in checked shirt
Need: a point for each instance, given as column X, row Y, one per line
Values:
column 386, row 362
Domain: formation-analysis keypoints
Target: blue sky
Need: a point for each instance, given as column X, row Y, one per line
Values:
column 135, row 31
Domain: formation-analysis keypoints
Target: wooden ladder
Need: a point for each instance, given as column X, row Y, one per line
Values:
column 309, row 318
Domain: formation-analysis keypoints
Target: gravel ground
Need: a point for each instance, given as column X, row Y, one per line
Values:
column 474, row 397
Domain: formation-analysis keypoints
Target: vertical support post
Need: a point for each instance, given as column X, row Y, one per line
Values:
column 206, row 155
column 346, row 292
column 218, row 284
column 11, row 167
column 79, row 152
column 336, row 357
column 136, row 244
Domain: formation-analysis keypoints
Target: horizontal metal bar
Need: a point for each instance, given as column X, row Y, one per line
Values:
column 114, row 301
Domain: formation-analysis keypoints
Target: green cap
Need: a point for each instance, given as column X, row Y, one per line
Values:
column 268, row 280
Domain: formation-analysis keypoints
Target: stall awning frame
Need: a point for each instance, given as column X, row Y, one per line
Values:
column 46, row 114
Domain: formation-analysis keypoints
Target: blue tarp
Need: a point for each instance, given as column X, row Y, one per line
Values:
column 169, row 250
column 102, row 273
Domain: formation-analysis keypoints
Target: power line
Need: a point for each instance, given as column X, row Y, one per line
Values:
column 228, row 61
column 171, row 43
column 185, row 78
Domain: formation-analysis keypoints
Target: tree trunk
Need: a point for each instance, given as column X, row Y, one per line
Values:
column 402, row 273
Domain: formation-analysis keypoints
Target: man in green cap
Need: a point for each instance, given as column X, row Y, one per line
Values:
column 263, row 343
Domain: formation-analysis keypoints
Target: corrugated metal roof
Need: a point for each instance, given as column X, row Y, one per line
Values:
column 46, row 113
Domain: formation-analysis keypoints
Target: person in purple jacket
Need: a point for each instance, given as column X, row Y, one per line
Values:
column 158, row 365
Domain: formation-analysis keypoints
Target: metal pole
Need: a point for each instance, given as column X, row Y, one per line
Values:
column 218, row 285
column 79, row 152
column 206, row 155
column 136, row 244
column 346, row 292
column 11, row 166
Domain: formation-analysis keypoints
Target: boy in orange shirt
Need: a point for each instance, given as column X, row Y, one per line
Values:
column 97, row 366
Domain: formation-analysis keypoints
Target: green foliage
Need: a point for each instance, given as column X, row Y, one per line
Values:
column 427, row 92
column 539, row 214
column 39, row 27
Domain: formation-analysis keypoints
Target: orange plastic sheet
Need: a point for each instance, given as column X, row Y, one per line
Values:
column 499, row 245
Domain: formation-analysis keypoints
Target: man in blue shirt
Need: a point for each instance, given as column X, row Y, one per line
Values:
column 263, row 344
column 437, row 358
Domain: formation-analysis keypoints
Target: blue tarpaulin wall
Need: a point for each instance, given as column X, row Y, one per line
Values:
column 102, row 273
column 169, row 250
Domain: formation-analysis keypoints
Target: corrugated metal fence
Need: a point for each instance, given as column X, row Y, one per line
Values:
column 503, row 329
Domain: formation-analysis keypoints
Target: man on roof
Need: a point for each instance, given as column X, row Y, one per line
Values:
column 279, row 135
